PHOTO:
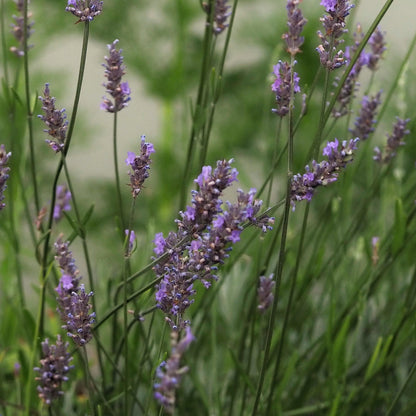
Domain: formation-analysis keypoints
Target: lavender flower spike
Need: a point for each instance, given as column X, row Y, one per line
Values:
column 334, row 25
column 4, row 173
column 170, row 373
column 265, row 292
column 365, row 121
column 378, row 46
column 282, row 87
column 63, row 198
column 55, row 120
column 53, row 370
column 73, row 302
column 323, row 173
column 394, row 141
column 114, row 71
column 295, row 22
column 140, row 165
column 18, row 29
column 84, row 9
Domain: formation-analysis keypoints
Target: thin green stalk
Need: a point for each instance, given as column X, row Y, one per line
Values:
column 274, row 160
column 117, row 175
column 3, row 44
column 87, row 376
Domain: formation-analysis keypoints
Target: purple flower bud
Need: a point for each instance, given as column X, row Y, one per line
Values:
column 265, row 292
column 160, row 244
column 295, row 23
column 4, row 173
column 18, row 29
column 114, row 71
column 378, row 46
column 63, row 198
column 132, row 239
column 53, row 370
column 85, row 9
column 221, row 14
column 366, row 119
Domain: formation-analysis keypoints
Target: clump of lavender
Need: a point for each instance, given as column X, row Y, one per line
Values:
column 378, row 46
column 334, row 25
column 295, row 23
column 265, row 292
column 53, row 370
column 114, row 71
column 18, row 29
column 282, row 87
column 140, row 165
column 169, row 373
column 4, row 173
column 206, row 232
column 394, row 141
column 55, row 120
column 84, row 9
column 365, row 121
column 73, row 302
column 321, row 174
column 63, row 198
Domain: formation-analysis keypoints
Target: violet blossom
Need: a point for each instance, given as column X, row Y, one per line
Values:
column 394, row 141
column 132, row 238
column 55, row 120
column 4, row 173
column 221, row 14
column 295, row 23
column 53, row 370
column 265, row 292
column 85, row 10
column 18, row 29
column 378, row 46
column 140, row 165
column 282, row 87
column 206, row 232
column 323, row 173
column 63, row 198
column 114, row 71
column 334, row 25
column 169, row 373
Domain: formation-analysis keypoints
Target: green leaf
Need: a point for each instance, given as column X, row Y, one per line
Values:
column 399, row 228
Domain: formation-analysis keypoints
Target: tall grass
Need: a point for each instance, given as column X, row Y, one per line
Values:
column 131, row 286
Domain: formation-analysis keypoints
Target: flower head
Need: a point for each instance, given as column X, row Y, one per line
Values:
column 140, row 165
column 132, row 238
column 169, row 373
column 84, row 9
column 378, row 46
column 55, row 120
column 221, row 14
column 18, row 29
column 63, row 198
column 282, row 86
column 114, row 71
column 295, row 23
column 53, row 370
column 265, row 292
column 4, row 173
column 394, row 141
column 323, row 173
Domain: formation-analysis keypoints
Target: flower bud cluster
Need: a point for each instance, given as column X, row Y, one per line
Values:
column 18, row 29
column 84, row 9
column 4, row 173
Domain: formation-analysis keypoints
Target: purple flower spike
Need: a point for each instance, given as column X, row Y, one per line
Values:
column 18, row 29
column 378, row 46
column 140, row 165
column 84, row 9
column 394, row 141
column 265, row 292
column 334, row 25
column 114, row 71
column 132, row 239
column 282, row 87
column 63, row 198
column 221, row 14
column 55, row 120
column 169, row 373
column 366, row 119
column 295, row 23
column 53, row 370
column 4, row 173
column 323, row 173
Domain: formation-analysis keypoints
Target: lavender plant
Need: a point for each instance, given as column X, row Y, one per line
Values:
column 301, row 304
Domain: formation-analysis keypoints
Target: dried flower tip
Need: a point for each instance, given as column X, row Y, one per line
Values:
column 169, row 373
column 140, row 165
column 63, row 198
column 265, row 292
column 53, row 370
column 394, row 141
column 295, row 23
column 18, row 29
column 114, row 71
column 55, row 120
column 221, row 14
column 4, row 173
column 41, row 216
column 365, row 121
column 282, row 87
column 84, row 9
